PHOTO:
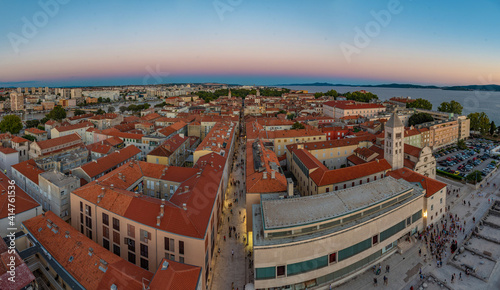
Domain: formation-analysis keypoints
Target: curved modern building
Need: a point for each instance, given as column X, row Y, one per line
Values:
column 319, row 239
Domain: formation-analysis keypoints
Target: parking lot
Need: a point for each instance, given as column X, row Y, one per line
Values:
column 462, row 162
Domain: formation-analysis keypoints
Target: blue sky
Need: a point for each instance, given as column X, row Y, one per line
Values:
column 248, row 42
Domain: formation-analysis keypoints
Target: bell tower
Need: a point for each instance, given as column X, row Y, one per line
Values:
column 394, row 142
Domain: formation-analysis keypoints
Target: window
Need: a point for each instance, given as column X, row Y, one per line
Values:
column 116, row 224
column 375, row 240
column 144, row 250
column 105, row 219
column 88, row 210
column 145, row 236
column 81, row 206
column 131, row 257
column 130, row 231
column 432, row 207
column 81, row 218
column 105, row 232
column 172, row 257
column 116, row 249
column 181, row 259
column 441, row 200
column 408, row 221
column 88, row 222
column 105, row 244
column 280, row 271
column 181, row 247
column 116, row 237
column 144, row 264
column 89, row 234
column 130, row 244
column 327, row 189
column 333, row 258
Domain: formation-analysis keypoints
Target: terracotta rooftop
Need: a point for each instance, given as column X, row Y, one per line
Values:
column 255, row 182
column 79, row 117
column 412, row 150
column 17, row 139
column 351, row 105
column 169, row 147
column 23, row 275
column 106, row 163
column 45, row 144
column 22, row 203
column 74, row 257
column 113, row 141
column 430, row 185
column 29, row 169
column 325, row 177
column 99, row 147
column 35, row 131
column 332, row 143
column 176, row 276
column 7, row 150
column 74, row 127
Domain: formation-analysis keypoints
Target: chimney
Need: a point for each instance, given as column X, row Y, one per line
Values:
column 137, row 194
column 186, row 188
column 112, row 186
column 181, row 135
column 91, row 251
column 264, row 175
column 103, row 265
column 184, row 206
column 162, row 209
column 103, row 190
column 158, row 220
column 162, row 201
column 273, row 174
column 67, row 235
column 99, row 197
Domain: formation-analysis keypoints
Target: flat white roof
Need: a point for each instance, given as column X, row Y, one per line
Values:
column 282, row 213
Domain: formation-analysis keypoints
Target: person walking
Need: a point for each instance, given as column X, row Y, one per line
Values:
column 419, row 252
column 386, row 280
column 374, row 281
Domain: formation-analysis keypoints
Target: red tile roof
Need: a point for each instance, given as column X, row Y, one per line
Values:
column 106, row 163
column 351, row 105
column 308, row 159
column 75, row 259
column 412, row 150
column 169, row 147
column 8, row 150
column 74, row 127
column 332, row 143
column 322, row 177
column 176, row 276
column 29, row 169
column 23, row 275
column 22, row 203
column 99, row 147
column 45, row 144
column 17, row 139
column 113, row 141
column 255, row 183
column 35, row 131
column 430, row 185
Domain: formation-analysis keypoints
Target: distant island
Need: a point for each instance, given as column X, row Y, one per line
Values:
column 403, row 86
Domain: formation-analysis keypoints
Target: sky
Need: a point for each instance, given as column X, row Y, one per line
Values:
column 119, row 42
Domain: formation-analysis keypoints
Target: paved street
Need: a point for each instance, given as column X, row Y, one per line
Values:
column 229, row 268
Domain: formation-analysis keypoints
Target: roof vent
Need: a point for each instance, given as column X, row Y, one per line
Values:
column 91, row 251
column 184, row 206
column 71, row 259
column 164, row 265
column 67, row 235
column 103, row 266
column 158, row 219
column 113, row 287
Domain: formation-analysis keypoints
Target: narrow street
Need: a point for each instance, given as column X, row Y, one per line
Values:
column 231, row 271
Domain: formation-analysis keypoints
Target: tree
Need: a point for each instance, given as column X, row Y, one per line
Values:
column 11, row 123
column 420, row 118
column 318, row 95
column 474, row 176
column 451, row 107
column 29, row 137
column 58, row 113
column 111, row 109
column 298, row 125
column 420, row 104
column 290, row 116
column 492, row 128
column 123, row 109
column 479, row 122
column 100, row 112
column 41, row 127
column 79, row 112
column 32, row 123
column 461, row 144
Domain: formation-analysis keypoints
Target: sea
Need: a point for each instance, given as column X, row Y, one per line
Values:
column 472, row 101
